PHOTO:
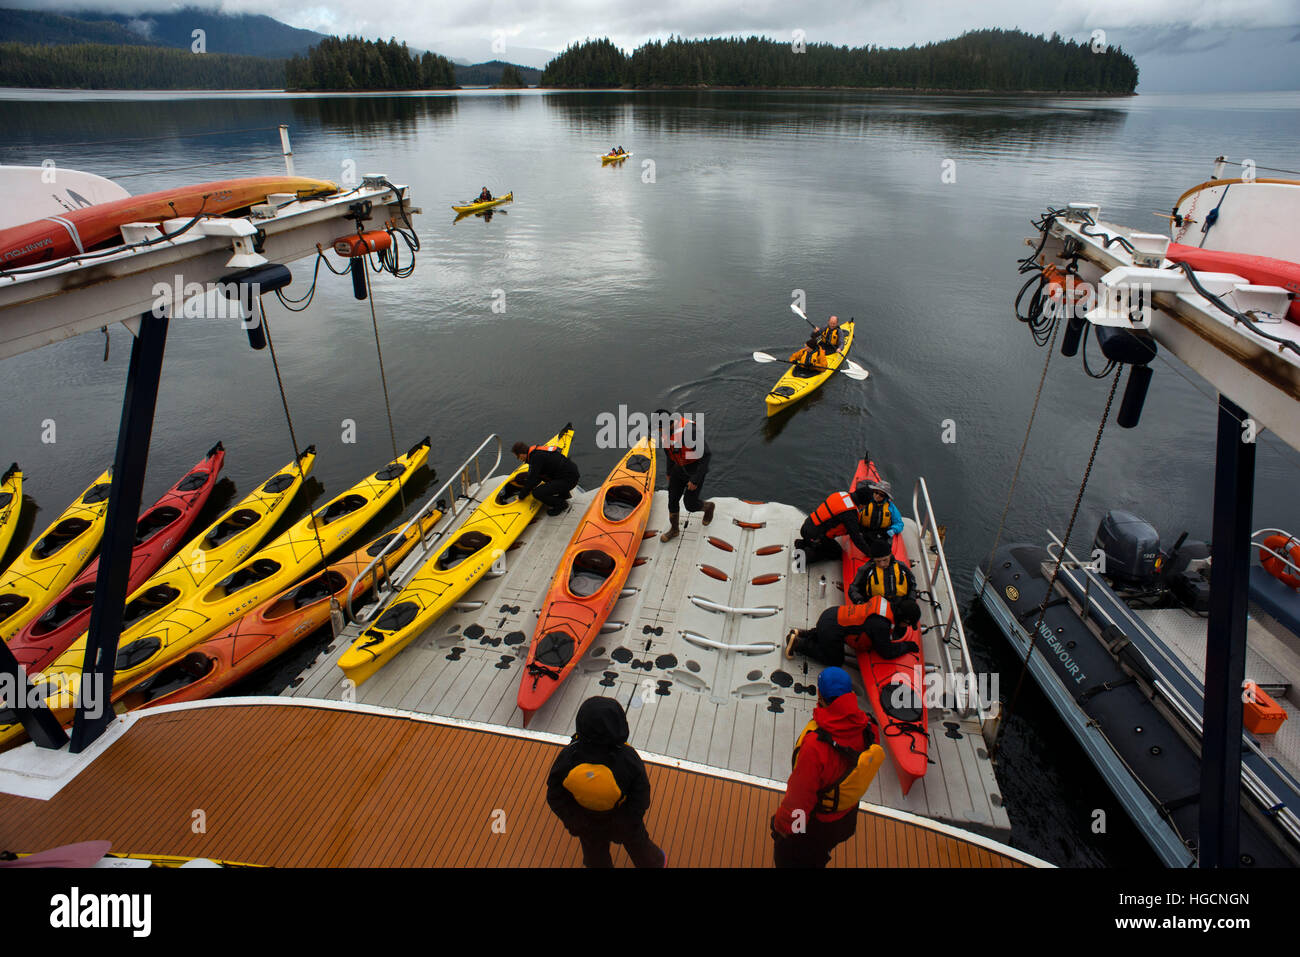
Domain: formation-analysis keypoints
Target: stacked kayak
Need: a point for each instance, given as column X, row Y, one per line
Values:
column 159, row 639
column 158, row 533
column 11, row 505
column 488, row 204
column 448, row 574
column 58, row 556
column 590, row 576
column 893, row 687
column 269, row 630
column 229, row 539
column 79, row 230
column 797, row 384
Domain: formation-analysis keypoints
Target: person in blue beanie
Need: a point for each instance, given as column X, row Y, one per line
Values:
column 834, row 761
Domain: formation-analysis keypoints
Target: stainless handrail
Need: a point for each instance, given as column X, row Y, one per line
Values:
column 929, row 524
column 460, row 502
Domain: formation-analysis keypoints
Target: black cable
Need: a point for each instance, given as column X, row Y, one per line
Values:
column 1228, row 310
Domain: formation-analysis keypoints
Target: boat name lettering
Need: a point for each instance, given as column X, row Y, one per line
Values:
column 30, row 247
column 1067, row 659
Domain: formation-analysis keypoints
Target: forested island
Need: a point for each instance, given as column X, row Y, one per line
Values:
column 356, row 64
column 993, row 60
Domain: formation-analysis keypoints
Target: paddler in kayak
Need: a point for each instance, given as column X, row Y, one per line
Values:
column 485, row 196
column 830, row 338
column 687, row 457
column 809, row 360
column 884, row 575
column 839, row 515
column 876, row 626
column 878, row 516
column 551, row 476
column 599, row 789
column 835, row 760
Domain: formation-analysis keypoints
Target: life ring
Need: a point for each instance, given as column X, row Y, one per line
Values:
column 1284, row 545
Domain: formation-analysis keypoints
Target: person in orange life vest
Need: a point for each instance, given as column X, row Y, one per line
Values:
column 879, row 516
column 838, row 515
column 877, row 626
column 484, row 196
column 814, row 816
column 551, row 476
column 599, row 789
column 810, row 360
column 884, row 575
column 687, row 457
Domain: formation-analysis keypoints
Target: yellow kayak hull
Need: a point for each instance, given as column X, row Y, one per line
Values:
column 450, row 572
column 11, row 504
column 475, row 207
column 607, row 158
column 162, row 639
column 792, row 388
column 58, row 555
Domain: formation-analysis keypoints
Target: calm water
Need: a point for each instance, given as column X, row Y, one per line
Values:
column 649, row 294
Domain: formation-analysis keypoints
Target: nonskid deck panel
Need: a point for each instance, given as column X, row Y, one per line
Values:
column 739, row 710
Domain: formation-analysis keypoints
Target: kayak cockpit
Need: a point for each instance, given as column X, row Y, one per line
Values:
column 461, row 549
column 155, row 521
column 59, row 537
column 234, row 523
column 591, row 569
column 621, row 501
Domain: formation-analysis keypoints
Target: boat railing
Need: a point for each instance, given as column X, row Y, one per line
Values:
column 937, row 580
column 466, row 476
column 1262, row 793
column 1258, row 538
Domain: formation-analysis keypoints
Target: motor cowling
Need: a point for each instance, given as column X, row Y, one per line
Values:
column 1131, row 546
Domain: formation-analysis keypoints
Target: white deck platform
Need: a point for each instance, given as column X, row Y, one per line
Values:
column 740, row 710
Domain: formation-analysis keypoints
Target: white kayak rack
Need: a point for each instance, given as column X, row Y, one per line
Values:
column 466, row 477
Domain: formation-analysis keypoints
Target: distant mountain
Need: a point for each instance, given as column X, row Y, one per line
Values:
column 245, row 33
column 489, row 74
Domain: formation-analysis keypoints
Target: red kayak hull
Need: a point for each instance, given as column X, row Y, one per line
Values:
column 88, row 228
column 1260, row 270
column 880, row 678
column 169, row 521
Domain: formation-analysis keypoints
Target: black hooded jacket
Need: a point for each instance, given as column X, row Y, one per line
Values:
column 601, row 738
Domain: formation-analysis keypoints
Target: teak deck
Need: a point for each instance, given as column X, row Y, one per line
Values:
column 303, row 785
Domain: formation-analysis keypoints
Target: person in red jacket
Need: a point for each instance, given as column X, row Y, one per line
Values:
column 830, row 776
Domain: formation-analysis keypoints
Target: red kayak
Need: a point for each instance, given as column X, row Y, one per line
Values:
column 899, row 710
column 1260, row 270
column 158, row 533
column 80, row 230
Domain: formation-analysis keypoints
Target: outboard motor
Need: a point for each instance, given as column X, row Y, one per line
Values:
column 1131, row 546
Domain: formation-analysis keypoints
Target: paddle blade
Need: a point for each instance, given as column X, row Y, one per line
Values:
column 794, row 307
column 763, row 357
column 854, row 371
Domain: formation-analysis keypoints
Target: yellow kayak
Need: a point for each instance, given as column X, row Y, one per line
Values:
column 448, row 574
column 146, row 646
column 44, row 569
column 797, row 384
column 11, row 503
column 475, row 207
column 613, row 157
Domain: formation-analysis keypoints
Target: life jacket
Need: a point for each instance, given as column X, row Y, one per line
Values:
column 891, row 584
column 876, row 515
column 831, row 339
column 593, row 786
column 844, row 793
column 833, row 510
column 541, row 448
column 673, row 445
column 855, row 616
column 808, row 356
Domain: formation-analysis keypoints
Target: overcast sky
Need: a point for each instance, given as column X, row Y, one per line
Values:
column 466, row 28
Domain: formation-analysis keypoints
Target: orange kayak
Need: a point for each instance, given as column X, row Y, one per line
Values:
column 590, row 576
column 268, row 630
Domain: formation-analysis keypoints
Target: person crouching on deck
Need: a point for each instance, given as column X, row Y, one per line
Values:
column 834, row 761
column 838, row 515
column 551, row 476
column 599, row 789
column 875, row 626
